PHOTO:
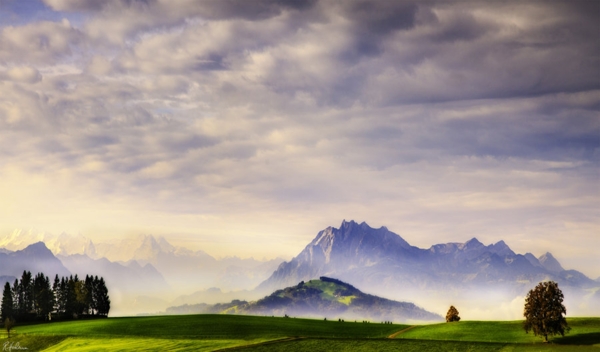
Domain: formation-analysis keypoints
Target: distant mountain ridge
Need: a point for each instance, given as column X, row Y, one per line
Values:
column 183, row 268
column 131, row 278
column 36, row 258
column 384, row 262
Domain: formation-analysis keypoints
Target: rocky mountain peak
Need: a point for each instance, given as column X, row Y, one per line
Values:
column 501, row 248
column 472, row 244
column 38, row 249
column 353, row 238
column 532, row 259
column 550, row 263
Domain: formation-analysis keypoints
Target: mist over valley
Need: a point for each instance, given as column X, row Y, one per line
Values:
column 148, row 275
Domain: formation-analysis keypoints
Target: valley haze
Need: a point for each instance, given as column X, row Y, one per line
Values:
column 146, row 275
column 200, row 151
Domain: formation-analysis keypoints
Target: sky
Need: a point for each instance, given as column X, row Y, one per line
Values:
column 244, row 128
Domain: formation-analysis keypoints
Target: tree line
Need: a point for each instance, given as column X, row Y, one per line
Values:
column 35, row 298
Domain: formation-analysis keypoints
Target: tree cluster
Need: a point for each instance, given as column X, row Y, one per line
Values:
column 34, row 298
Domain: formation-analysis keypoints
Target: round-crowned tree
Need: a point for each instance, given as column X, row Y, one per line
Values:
column 452, row 315
column 544, row 311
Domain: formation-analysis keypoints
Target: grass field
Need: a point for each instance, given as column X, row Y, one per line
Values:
column 211, row 327
column 585, row 331
column 248, row 333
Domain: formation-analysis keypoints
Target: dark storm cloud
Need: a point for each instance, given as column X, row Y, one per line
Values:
column 253, row 10
column 460, row 27
column 373, row 20
column 528, row 138
column 210, row 62
column 183, row 143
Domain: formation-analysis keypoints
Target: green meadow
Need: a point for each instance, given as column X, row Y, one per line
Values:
column 252, row 333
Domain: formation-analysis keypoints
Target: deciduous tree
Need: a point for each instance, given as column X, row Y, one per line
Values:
column 9, row 323
column 544, row 311
column 452, row 315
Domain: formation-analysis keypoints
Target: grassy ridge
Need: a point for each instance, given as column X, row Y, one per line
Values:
column 211, row 327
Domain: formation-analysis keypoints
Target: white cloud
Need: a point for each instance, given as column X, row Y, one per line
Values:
column 38, row 43
column 24, row 74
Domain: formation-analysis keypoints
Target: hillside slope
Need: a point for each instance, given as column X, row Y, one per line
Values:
column 323, row 298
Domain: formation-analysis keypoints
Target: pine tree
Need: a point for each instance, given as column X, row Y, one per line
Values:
column 89, row 286
column 70, row 297
column 61, row 296
column 26, row 291
column 43, row 296
column 7, row 303
column 544, row 311
column 102, row 298
column 17, row 298
column 56, row 292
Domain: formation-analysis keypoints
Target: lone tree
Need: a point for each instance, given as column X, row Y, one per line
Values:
column 452, row 315
column 8, row 325
column 544, row 311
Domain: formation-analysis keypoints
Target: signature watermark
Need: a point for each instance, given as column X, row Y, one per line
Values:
column 13, row 346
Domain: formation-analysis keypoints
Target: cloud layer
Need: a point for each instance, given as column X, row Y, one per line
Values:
column 249, row 125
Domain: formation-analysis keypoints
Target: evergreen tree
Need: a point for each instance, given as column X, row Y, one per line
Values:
column 17, row 298
column 43, row 296
column 7, row 303
column 26, row 290
column 70, row 297
column 61, row 296
column 89, row 286
column 56, row 292
column 103, row 300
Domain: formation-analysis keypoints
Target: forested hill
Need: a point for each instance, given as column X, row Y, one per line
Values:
column 324, row 298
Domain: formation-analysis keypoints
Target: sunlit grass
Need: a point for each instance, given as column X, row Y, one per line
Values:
column 213, row 332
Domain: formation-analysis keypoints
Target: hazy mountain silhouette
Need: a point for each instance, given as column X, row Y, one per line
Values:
column 183, row 269
column 36, row 258
column 132, row 278
column 144, row 272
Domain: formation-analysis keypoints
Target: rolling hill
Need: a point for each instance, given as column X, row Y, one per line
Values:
column 323, row 298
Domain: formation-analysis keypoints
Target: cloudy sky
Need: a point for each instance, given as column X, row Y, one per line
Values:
column 245, row 127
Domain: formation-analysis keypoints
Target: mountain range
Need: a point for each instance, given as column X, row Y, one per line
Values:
column 386, row 264
column 147, row 274
column 144, row 273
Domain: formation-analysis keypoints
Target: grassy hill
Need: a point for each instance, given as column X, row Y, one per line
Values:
column 253, row 333
column 323, row 298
